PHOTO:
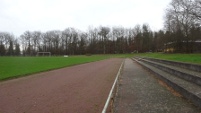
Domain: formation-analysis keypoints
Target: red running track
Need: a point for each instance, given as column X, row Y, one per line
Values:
column 77, row 89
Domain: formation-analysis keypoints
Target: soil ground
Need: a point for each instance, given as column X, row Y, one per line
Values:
column 77, row 89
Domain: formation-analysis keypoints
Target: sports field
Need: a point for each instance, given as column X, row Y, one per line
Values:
column 12, row 67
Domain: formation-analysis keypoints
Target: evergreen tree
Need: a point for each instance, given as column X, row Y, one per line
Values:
column 17, row 49
column 2, row 50
column 10, row 49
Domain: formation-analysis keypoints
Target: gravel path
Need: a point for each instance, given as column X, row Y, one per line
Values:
column 140, row 92
column 77, row 89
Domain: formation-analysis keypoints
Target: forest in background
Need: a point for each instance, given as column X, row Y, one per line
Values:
column 182, row 32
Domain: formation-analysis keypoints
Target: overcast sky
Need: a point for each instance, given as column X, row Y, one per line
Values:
column 18, row 16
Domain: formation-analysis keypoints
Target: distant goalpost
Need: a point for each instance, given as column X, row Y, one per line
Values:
column 43, row 54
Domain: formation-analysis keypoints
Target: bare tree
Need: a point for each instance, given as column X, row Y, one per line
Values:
column 26, row 42
column 180, row 19
column 36, row 40
column 70, row 36
column 118, row 33
column 92, row 43
column 103, row 33
column 82, row 43
column 138, row 37
column 196, row 11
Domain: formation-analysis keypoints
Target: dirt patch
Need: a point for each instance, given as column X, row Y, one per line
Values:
column 175, row 93
column 78, row 89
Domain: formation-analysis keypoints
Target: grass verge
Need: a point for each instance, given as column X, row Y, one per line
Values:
column 189, row 58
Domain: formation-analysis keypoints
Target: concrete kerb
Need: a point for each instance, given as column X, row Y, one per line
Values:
column 110, row 96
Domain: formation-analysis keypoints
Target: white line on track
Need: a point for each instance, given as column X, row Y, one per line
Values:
column 111, row 91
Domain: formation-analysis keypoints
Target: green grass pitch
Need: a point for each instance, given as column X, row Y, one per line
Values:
column 13, row 67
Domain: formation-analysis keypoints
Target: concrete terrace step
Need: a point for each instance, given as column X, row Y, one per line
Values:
column 189, row 75
column 188, row 89
column 139, row 92
column 193, row 67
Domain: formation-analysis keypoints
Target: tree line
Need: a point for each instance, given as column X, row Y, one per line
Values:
column 182, row 31
column 71, row 41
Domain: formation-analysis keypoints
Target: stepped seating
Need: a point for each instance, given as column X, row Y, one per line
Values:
column 184, row 78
